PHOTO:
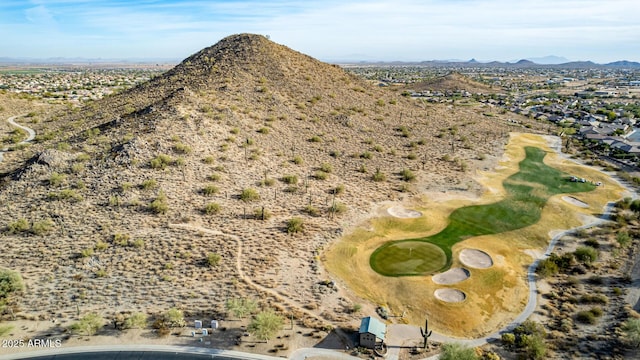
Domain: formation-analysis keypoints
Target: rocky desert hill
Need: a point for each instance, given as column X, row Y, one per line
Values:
column 125, row 199
column 454, row 81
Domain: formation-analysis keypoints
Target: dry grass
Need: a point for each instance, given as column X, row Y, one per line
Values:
column 495, row 295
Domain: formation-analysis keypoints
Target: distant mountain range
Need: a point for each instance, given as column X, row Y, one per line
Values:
column 546, row 61
column 524, row 63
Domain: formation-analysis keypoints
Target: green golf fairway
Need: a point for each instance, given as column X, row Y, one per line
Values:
column 527, row 192
column 410, row 257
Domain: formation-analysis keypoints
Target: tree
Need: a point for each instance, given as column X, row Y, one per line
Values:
column 456, row 351
column 266, row 324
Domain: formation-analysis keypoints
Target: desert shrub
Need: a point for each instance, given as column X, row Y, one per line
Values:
column 137, row 243
column 174, row 317
column 83, row 157
column 160, row 162
column 337, row 208
column 263, row 130
column 149, row 184
column 11, row 284
column 529, row 337
column 508, row 339
column 338, row 189
column 18, row 226
column 100, row 273
column 213, row 259
column 311, row 210
column 208, row 159
column 586, row 317
column 241, row 307
column 594, row 299
column 86, row 252
column 69, row 195
column 249, row 194
column 457, row 351
column 378, row 176
column 366, row 155
column 623, row 238
column 266, row 324
column 159, row 205
column 41, row 227
column 88, row 325
column 290, row 179
column 210, row 190
column 320, row 175
column 546, row 268
column 295, row 225
column 121, row 239
column 57, row 179
column 214, row 177
column 261, row 213
column 586, row 254
column 407, row 175
column 136, row 321
column 101, row 245
column 315, row 139
column 326, row 167
column 181, row 148
column 412, row 156
column 297, row 160
column 631, row 331
column 212, row 208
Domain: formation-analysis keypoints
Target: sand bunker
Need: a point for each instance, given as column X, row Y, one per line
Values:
column 450, row 295
column 401, row 212
column 451, row 276
column 474, row 258
column 573, row 201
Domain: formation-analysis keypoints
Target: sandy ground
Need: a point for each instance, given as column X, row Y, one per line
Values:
column 450, row 295
column 451, row 276
column 476, row 259
column 403, row 213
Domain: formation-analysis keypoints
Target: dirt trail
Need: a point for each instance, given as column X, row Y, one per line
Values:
column 31, row 134
column 246, row 279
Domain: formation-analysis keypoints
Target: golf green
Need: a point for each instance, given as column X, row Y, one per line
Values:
column 409, row 257
column 527, row 192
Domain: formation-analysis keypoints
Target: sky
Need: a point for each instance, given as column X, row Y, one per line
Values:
column 329, row 30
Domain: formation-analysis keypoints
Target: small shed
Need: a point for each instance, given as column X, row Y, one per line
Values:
column 371, row 332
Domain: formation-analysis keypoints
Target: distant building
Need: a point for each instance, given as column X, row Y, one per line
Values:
column 371, row 332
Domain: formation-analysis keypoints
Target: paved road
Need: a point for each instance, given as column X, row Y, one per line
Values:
column 30, row 132
column 131, row 352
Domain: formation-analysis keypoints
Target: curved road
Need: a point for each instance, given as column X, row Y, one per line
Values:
column 136, row 352
column 31, row 133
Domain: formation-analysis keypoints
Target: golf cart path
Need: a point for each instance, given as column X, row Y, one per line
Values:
column 31, row 133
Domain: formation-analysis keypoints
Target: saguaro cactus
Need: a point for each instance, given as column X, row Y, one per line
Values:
column 425, row 332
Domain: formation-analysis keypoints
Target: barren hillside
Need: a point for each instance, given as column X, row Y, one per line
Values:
column 125, row 202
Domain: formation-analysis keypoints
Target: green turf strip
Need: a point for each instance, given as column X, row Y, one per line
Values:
column 527, row 192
